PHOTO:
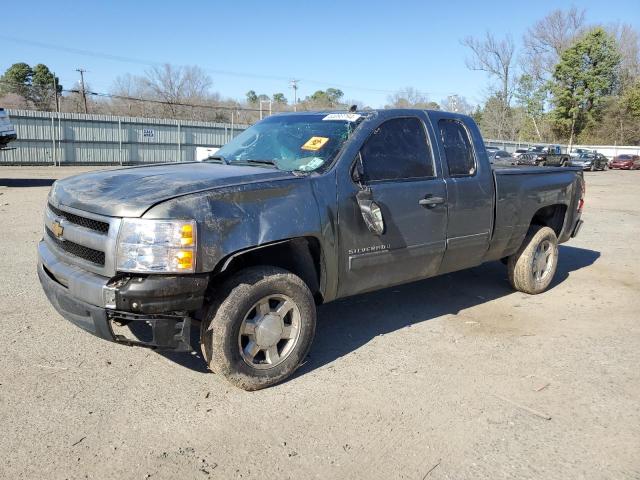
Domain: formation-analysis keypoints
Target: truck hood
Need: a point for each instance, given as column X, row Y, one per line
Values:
column 129, row 192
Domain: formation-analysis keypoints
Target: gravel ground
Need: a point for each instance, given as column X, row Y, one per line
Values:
column 450, row 378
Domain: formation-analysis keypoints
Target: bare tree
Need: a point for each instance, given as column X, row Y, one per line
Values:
column 409, row 97
column 456, row 103
column 628, row 41
column 494, row 57
column 545, row 41
column 176, row 85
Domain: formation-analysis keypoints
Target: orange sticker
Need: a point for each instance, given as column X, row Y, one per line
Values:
column 315, row 143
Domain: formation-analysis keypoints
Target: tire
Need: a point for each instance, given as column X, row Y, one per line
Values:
column 250, row 301
column 592, row 167
column 525, row 265
column 542, row 164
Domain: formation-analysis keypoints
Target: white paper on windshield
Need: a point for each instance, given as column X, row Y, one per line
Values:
column 348, row 117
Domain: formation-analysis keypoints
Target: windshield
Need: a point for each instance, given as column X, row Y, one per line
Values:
column 292, row 142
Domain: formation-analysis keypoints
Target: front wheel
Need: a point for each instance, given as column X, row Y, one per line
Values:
column 532, row 267
column 260, row 329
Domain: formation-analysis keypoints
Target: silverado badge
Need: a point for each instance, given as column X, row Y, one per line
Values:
column 57, row 229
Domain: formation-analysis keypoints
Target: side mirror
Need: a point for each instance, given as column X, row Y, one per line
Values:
column 357, row 172
column 371, row 212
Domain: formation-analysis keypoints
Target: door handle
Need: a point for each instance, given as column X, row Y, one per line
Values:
column 430, row 201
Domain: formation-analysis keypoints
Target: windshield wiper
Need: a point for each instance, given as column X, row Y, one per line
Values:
column 260, row 162
column 217, row 157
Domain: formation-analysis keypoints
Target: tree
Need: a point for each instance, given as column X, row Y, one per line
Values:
column 548, row 38
column 628, row 42
column 42, row 86
column 587, row 72
column 620, row 119
column 176, row 85
column 495, row 119
column 494, row 57
column 252, row 97
column 456, row 103
column 35, row 85
column 279, row 98
column 531, row 97
column 409, row 97
column 329, row 98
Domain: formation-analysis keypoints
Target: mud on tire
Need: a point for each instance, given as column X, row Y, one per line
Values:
column 222, row 332
column 532, row 268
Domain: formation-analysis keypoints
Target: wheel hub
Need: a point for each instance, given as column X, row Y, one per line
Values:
column 269, row 330
column 542, row 260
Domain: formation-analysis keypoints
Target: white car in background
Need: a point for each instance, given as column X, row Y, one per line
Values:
column 7, row 131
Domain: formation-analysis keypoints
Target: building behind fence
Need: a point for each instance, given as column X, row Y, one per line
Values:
column 49, row 138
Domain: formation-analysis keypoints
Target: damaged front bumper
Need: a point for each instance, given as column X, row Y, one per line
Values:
column 152, row 311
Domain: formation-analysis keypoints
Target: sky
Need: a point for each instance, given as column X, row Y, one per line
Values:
column 368, row 49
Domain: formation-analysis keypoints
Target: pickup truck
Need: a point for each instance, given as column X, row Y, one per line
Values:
column 7, row 131
column 550, row 156
column 299, row 209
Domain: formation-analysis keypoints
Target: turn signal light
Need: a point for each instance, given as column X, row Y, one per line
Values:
column 186, row 235
column 185, row 259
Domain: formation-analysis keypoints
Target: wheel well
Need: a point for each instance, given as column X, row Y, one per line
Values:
column 551, row 216
column 301, row 256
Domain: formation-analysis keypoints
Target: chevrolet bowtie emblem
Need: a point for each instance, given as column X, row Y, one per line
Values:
column 57, row 229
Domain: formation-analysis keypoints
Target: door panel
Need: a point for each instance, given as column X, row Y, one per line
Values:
column 398, row 166
column 471, row 195
column 412, row 245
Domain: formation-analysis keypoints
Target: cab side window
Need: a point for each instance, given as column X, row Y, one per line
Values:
column 457, row 148
column 397, row 149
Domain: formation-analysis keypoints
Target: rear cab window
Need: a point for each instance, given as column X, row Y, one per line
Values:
column 458, row 151
column 398, row 149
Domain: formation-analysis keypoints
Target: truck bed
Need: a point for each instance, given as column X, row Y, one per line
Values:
column 520, row 193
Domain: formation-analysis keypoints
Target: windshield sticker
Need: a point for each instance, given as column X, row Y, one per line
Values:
column 315, row 143
column 349, row 117
column 312, row 165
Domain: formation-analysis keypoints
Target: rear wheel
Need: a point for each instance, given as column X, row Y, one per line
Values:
column 532, row 267
column 260, row 329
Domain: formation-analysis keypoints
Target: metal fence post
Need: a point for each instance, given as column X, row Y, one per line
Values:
column 53, row 140
column 179, row 144
column 120, row 141
column 59, row 141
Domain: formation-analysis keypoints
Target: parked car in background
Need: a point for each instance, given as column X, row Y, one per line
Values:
column 550, row 156
column 580, row 151
column 491, row 149
column 526, row 159
column 625, row 162
column 591, row 161
column 501, row 158
column 518, row 152
column 7, row 131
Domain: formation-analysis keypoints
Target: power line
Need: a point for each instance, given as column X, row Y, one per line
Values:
column 121, row 58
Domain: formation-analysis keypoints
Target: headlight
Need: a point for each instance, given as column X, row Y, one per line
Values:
column 156, row 246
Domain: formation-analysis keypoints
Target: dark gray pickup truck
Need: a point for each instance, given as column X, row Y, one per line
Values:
column 298, row 210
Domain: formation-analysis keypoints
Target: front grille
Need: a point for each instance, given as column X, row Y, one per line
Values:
column 86, row 253
column 96, row 225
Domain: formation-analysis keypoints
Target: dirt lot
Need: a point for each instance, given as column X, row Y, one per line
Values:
column 450, row 378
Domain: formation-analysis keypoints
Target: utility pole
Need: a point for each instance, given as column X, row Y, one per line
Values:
column 84, row 93
column 55, row 92
column 294, row 85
